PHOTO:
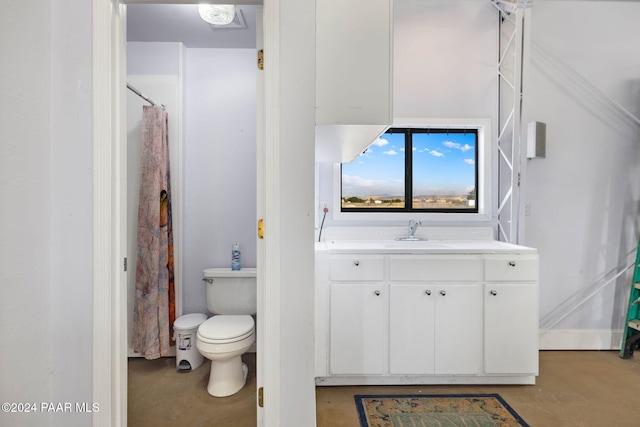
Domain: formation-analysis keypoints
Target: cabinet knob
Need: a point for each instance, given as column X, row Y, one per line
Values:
column 356, row 263
column 427, row 292
column 376, row 293
column 512, row 263
column 494, row 293
column 443, row 293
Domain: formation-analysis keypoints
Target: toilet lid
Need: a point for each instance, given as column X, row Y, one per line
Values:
column 225, row 327
column 189, row 321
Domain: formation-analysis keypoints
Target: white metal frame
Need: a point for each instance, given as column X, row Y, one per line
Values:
column 513, row 50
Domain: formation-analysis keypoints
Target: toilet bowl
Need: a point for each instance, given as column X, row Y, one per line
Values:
column 224, row 339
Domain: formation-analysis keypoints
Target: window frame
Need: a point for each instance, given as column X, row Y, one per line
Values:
column 409, row 189
column 484, row 180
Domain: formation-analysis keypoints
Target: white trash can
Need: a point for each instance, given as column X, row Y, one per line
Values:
column 185, row 329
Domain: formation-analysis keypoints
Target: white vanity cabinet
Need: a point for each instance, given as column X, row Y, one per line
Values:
column 358, row 313
column 467, row 316
column 511, row 314
column 435, row 315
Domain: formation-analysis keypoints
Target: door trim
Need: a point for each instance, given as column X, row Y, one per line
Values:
column 109, row 217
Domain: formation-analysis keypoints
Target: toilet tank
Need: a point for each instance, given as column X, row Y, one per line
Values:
column 231, row 291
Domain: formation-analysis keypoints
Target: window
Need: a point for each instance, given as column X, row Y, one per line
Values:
column 414, row 170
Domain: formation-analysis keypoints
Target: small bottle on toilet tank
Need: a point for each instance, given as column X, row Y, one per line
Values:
column 235, row 256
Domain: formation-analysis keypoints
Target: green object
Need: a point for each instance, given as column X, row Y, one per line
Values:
column 631, row 335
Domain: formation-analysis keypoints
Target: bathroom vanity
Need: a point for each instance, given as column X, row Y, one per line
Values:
column 438, row 311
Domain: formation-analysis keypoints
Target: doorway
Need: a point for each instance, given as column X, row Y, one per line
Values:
column 287, row 169
column 205, row 76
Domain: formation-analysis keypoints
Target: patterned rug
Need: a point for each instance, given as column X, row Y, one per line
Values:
column 444, row 410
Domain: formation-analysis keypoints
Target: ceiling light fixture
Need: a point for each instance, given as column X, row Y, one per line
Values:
column 217, row 14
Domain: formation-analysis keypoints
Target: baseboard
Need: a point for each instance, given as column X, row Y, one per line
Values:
column 580, row 339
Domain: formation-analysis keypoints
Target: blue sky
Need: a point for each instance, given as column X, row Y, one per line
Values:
column 443, row 164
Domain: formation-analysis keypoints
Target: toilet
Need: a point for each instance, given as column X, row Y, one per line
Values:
column 230, row 332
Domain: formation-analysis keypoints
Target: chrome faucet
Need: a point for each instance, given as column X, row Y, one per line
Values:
column 413, row 226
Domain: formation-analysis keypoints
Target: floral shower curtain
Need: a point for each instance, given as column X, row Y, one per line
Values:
column 154, row 306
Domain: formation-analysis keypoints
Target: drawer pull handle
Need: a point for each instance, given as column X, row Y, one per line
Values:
column 512, row 263
column 376, row 293
column 443, row 293
column 427, row 292
column 356, row 263
column 494, row 293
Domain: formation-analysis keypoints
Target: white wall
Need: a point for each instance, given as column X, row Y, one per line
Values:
column 25, row 188
column 72, row 214
column 444, row 59
column 584, row 196
column 46, row 209
column 219, row 164
column 158, row 58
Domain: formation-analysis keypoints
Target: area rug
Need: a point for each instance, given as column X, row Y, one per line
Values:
column 444, row 410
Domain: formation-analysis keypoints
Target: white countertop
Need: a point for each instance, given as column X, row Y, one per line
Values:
column 422, row 246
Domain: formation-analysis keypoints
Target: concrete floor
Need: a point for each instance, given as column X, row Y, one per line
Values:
column 575, row 388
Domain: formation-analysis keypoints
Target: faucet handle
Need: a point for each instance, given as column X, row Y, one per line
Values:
column 413, row 226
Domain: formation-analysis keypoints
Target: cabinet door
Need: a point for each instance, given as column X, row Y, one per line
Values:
column 511, row 329
column 411, row 329
column 458, row 331
column 357, row 331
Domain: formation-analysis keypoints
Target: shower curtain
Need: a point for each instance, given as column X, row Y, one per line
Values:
column 154, row 306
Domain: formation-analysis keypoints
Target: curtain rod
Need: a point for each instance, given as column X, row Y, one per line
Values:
column 143, row 96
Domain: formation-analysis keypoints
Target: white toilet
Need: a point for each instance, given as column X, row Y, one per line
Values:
column 223, row 338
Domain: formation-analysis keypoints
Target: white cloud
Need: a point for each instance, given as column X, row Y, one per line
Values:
column 391, row 152
column 436, row 153
column 451, row 144
column 457, row 146
column 380, row 142
column 470, row 161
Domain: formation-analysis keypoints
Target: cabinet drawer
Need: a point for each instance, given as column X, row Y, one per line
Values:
column 511, row 268
column 430, row 268
column 357, row 267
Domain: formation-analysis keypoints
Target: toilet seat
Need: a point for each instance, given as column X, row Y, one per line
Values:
column 225, row 329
